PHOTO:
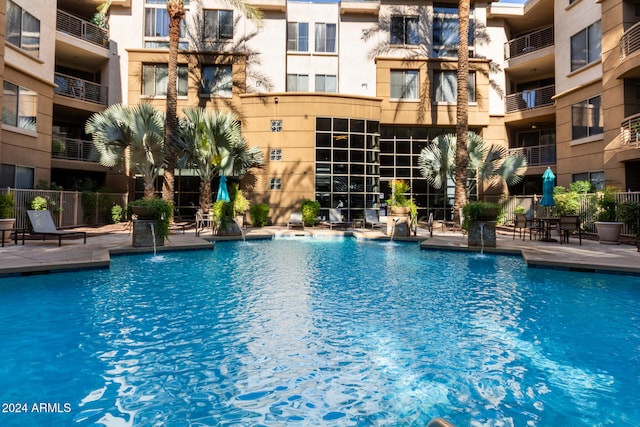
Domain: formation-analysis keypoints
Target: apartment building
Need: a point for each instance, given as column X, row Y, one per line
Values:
column 341, row 97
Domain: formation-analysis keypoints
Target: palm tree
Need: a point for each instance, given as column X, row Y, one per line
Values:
column 138, row 128
column 204, row 139
column 491, row 164
column 462, row 110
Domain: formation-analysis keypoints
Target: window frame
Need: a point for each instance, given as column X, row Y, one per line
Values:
column 437, row 82
column 321, row 38
column 218, row 30
column 17, row 37
column 208, row 86
column 183, row 76
column 410, row 77
column 591, row 53
column 586, row 105
column 322, row 80
column 299, row 81
column 18, row 106
column 445, row 19
column 161, row 40
column 407, row 36
column 296, row 40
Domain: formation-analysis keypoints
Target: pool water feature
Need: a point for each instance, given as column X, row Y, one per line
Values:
column 320, row 332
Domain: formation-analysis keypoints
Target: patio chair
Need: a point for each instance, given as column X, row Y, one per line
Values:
column 335, row 218
column 567, row 225
column 371, row 218
column 42, row 223
column 522, row 224
column 203, row 220
column 295, row 220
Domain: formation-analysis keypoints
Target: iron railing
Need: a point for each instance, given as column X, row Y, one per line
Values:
column 630, row 130
column 85, row 90
column 530, row 99
column 531, row 42
column 85, row 30
column 537, row 155
column 630, row 41
column 73, row 149
column 68, row 208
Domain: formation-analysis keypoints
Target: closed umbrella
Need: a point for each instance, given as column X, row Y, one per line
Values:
column 223, row 191
column 548, row 183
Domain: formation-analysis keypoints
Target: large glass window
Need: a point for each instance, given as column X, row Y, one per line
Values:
column 404, row 84
column 217, row 80
column 154, row 80
column 325, row 37
column 586, row 118
column 404, row 30
column 445, row 31
column 445, row 86
column 325, row 83
column 218, row 24
column 298, row 36
column 16, row 176
column 297, row 83
column 586, row 46
column 23, row 29
column 19, row 107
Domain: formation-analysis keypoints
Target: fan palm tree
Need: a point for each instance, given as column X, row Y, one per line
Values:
column 138, row 128
column 204, row 139
column 491, row 164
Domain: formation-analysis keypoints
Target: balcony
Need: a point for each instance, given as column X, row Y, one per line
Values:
column 529, row 43
column 73, row 149
column 530, row 99
column 84, row 30
column 83, row 90
column 538, row 155
column 630, row 130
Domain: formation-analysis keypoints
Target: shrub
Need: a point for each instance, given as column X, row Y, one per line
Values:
column 629, row 213
column 607, row 206
column 39, row 204
column 116, row 214
column 567, row 202
column 259, row 214
column 581, row 187
column 162, row 212
column 479, row 211
column 240, row 203
column 6, row 205
column 310, row 211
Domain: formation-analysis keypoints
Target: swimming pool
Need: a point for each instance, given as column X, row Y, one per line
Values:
column 319, row 332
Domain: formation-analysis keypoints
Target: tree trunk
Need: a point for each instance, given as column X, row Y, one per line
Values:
column 205, row 195
column 175, row 10
column 462, row 111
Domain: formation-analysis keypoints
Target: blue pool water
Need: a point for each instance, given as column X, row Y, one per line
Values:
column 313, row 332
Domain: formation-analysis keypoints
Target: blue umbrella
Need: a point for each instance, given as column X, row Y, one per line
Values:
column 223, row 192
column 548, row 183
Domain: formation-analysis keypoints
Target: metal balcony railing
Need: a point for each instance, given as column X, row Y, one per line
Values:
column 530, row 99
column 537, row 155
column 529, row 43
column 85, row 90
column 85, row 30
column 630, row 130
column 630, row 41
column 73, row 149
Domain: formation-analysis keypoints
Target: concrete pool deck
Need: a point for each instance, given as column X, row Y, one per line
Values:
column 36, row 256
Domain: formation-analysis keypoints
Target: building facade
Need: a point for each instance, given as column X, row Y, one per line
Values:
column 341, row 97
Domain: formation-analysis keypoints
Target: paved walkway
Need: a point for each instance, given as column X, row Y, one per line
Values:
column 37, row 256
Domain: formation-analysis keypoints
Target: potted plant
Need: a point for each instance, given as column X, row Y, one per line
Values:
column 154, row 211
column 398, row 203
column 240, row 204
column 479, row 220
column 629, row 214
column 310, row 210
column 7, row 217
column 607, row 224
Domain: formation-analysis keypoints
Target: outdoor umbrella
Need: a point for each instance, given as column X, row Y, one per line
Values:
column 548, row 182
column 223, row 192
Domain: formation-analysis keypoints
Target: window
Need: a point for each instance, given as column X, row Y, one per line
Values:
column 275, row 183
column 404, row 30
column 16, row 176
column 298, row 36
column 154, row 80
column 325, row 83
column 217, row 80
column 19, row 107
column 218, row 24
column 596, row 178
column 586, row 118
column 445, row 86
column 23, row 29
column 156, row 26
column 297, row 83
column 445, row 31
column 325, row 37
column 404, row 84
column 276, row 125
column 275, row 154
column 586, row 46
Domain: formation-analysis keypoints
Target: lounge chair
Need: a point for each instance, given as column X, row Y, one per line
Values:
column 295, row 220
column 371, row 218
column 42, row 223
column 335, row 218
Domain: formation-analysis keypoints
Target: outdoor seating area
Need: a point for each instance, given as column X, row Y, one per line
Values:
column 546, row 229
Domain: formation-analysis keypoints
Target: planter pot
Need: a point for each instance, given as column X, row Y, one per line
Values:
column 144, row 232
column 143, row 212
column 7, row 224
column 398, row 226
column 609, row 232
column 400, row 210
column 481, row 234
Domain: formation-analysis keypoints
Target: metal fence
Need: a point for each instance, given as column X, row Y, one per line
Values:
column 68, row 208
